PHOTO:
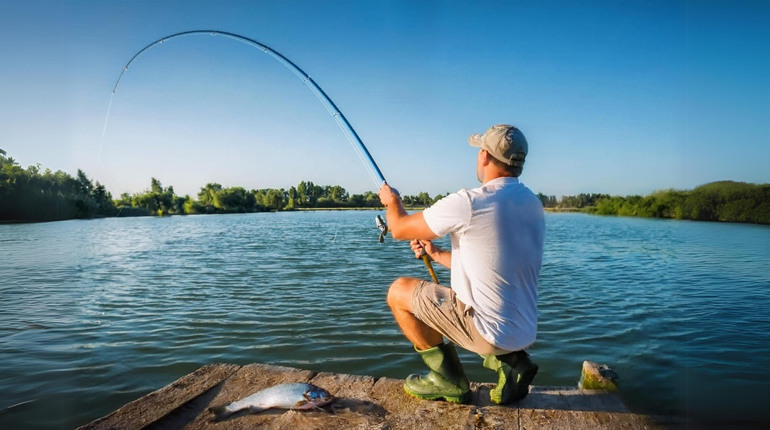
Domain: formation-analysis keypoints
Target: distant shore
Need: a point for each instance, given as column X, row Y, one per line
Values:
column 564, row 210
column 34, row 195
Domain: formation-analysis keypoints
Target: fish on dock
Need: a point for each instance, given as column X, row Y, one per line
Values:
column 297, row 395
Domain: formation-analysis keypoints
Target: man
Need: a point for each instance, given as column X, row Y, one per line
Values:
column 497, row 233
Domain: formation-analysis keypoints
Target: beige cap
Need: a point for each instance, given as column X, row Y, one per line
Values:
column 504, row 142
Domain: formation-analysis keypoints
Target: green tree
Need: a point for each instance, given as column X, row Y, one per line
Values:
column 274, row 199
column 337, row 194
column 236, row 199
column 423, row 199
column 371, row 200
column 155, row 186
column 292, row 202
column 208, row 197
column 357, row 200
column 302, row 197
column 190, row 206
column 158, row 200
column 314, row 192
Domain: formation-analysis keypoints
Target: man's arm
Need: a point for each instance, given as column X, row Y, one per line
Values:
column 403, row 226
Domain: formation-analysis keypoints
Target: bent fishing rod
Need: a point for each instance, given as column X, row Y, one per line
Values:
column 355, row 141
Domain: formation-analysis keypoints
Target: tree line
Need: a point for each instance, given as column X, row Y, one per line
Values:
column 37, row 194
column 213, row 198
column 570, row 203
column 725, row 201
column 34, row 194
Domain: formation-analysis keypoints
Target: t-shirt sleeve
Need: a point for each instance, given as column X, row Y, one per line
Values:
column 450, row 214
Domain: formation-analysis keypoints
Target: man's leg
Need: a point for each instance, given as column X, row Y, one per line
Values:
column 446, row 379
column 400, row 302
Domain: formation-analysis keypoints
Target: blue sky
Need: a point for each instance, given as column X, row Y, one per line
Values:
column 618, row 97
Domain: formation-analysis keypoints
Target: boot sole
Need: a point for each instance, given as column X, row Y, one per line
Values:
column 462, row 399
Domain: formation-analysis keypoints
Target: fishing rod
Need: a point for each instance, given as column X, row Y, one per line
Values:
column 334, row 111
column 355, row 141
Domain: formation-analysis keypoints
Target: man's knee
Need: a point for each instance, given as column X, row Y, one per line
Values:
column 400, row 292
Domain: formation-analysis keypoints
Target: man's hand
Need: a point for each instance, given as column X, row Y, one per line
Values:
column 437, row 254
column 389, row 196
column 421, row 247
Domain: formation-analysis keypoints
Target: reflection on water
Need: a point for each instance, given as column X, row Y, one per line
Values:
column 97, row 313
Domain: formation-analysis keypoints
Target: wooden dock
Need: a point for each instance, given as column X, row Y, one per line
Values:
column 363, row 402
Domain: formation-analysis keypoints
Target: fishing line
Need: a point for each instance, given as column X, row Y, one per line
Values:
column 347, row 129
column 104, row 129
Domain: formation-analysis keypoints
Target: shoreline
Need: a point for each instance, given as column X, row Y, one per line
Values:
column 589, row 210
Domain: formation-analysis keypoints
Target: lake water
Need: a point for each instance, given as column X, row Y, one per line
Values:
column 97, row 313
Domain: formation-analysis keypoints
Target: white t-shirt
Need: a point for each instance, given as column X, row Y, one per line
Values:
column 497, row 233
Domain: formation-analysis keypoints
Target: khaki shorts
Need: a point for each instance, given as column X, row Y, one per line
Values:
column 438, row 307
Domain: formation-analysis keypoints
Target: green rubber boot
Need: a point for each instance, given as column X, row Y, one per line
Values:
column 515, row 372
column 446, row 379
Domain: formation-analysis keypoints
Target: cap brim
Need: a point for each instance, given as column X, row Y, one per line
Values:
column 475, row 140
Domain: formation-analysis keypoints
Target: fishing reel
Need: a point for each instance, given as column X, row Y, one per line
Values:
column 425, row 257
column 382, row 226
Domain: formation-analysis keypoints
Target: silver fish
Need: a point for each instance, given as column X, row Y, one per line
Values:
column 296, row 395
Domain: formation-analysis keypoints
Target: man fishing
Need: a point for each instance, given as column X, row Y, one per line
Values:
column 497, row 233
